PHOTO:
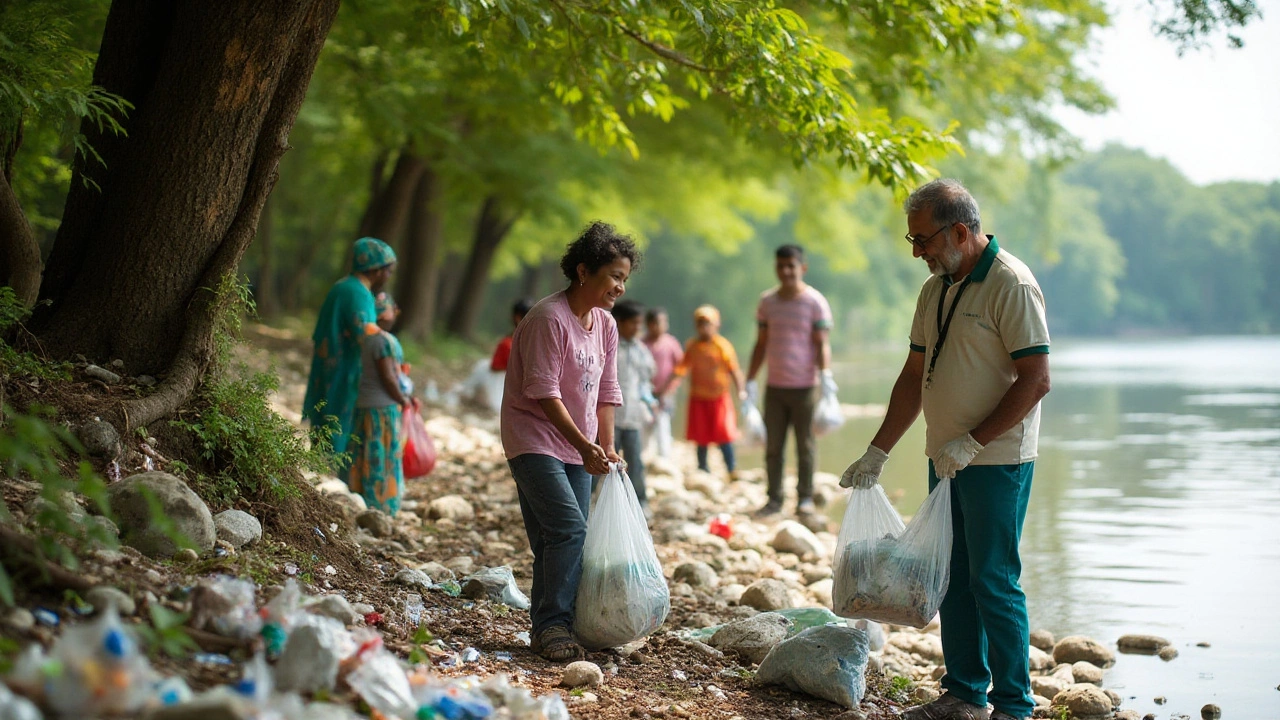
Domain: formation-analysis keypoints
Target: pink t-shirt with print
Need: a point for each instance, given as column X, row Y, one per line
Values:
column 667, row 352
column 790, row 353
column 553, row 356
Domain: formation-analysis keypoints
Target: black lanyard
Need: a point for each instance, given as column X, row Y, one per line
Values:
column 944, row 327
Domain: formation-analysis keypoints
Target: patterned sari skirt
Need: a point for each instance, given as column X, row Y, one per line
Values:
column 376, row 472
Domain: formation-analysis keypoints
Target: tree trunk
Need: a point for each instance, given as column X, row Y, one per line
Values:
column 531, row 281
column 266, row 292
column 19, row 254
column 375, row 189
column 215, row 88
column 491, row 228
column 419, row 267
column 389, row 211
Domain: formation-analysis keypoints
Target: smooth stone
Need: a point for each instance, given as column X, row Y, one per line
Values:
column 450, row 507
column 20, row 619
column 333, row 606
column 1084, row 699
column 1048, row 686
column 1141, row 643
column 412, row 578
column 753, row 637
column 462, row 564
column 188, row 514
column 1086, row 672
column 1040, row 660
column 697, row 574
column 822, row 592
column 766, row 594
column 100, row 439
column 238, row 528
column 1168, row 653
column 436, row 570
column 1077, row 647
column 1210, row 712
column 1042, row 639
column 1128, row 715
column 186, row 555
column 582, row 674
column 103, row 374
column 105, row 596
column 376, row 523
column 792, row 537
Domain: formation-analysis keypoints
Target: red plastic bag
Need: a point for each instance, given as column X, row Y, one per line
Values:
column 419, row 451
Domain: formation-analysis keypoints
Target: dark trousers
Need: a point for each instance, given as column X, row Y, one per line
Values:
column 726, row 450
column 630, row 443
column 786, row 408
column 555, row 499
column 985, row 631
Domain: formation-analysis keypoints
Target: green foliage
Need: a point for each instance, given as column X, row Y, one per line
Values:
column 16, row 363
column 167, row 633
column 34, row 449
column 900, row 688
column 251, row 450
column 421, row 637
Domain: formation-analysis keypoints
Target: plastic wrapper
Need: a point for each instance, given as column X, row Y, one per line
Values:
column 483, row 386
column 889, row 573
column 752, row 432
column 827, row 415
column 226, row 605
column 419, row 449
column 97, row 669
column 622, row 595
column 381, row 682
column 279, row 615
column 828, row 662
column 16, row 707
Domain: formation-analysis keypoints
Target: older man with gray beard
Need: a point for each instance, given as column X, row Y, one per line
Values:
column 978, row 367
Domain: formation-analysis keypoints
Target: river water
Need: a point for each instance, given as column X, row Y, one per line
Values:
column 1155, row 509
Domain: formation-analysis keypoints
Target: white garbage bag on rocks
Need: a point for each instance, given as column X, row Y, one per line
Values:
column 623, row 595
column 889, row 573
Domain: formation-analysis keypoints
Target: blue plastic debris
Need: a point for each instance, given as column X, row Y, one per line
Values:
column 46, row 617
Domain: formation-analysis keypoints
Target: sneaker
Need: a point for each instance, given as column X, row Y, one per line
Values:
column 770, row 509
column 947, row 707
column 806, row 507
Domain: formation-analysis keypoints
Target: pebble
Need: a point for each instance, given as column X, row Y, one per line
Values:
column 1161, row 700
column 105, row 596
column 1168, row 653
column 582, row 674
column 20, row 619
column 1210, row 712
column 186, row 555
column 336, row 607
column 1202, row 644
column 1141, row 643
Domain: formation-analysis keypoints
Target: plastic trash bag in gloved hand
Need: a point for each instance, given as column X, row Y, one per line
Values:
column 753, row 432
column 419, row 450
column 828, row 662
column 622, row 595
column 889, row 573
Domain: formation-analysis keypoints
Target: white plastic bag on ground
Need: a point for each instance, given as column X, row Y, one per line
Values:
column 483, row 386
column 623, row 595
column 828, row 415
column 889, row 573
column 660, row 433
column 753, row 433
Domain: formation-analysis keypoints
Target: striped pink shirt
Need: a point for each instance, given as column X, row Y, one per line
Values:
column 552, row 356
column 790, row 353
column 667, row 353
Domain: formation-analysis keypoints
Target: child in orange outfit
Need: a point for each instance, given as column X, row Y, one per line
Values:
column 712, row 366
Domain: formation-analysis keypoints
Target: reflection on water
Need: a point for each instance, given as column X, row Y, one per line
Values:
column 1155, row 509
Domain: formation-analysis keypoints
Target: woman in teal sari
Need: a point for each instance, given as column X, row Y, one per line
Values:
column 348, row 314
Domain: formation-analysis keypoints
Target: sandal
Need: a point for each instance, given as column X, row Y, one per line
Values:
column 556, row 644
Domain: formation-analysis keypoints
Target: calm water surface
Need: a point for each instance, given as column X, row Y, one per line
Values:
column 1155, row 509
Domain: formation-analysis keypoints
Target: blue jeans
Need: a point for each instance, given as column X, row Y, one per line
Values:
column 555, row 498
column 725, row 449
column 985, row 631
column 630, row 444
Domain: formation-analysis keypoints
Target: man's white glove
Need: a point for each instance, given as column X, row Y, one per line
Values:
column 865, row 471
column 956, row 456
column 753, row 392
column 828, row 382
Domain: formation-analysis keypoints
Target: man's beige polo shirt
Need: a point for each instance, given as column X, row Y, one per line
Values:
column 1000, row 319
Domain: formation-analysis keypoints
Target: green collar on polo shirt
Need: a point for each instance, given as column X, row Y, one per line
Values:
column 979, row 272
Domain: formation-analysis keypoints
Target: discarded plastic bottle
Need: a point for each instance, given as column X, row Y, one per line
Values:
column 721, row 525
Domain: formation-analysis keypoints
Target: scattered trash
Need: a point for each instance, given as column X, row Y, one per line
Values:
column 113, row 471
column 827, row 415
column 212, row 659
column 623, row 594
column 330, row 570
column 469, row 655
column 290, row 568
column 527, row 640
column 449, row 587
column 828, row 662
column 502, row 656
column 721, row 525
column 413, row 609
column 16, row 707
column 497, row 584
column 679, row 675
column 225, row 605
column 46, row 617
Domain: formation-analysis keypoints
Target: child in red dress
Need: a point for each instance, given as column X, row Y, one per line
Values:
column 712, row 366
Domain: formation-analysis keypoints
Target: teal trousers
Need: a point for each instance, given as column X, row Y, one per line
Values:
column 985, row 631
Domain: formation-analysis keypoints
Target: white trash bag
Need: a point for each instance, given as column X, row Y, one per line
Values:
column 889, row 573
column 622, row 595
column 828, row 415
column 753, row 432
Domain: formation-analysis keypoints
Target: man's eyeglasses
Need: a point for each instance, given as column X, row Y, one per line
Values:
column 921, row 243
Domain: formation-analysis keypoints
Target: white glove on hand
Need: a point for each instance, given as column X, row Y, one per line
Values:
column 956, row 456
column 865, row 471
column 829, row 382
column 753, row 392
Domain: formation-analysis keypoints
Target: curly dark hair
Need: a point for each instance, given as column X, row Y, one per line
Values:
column 598, row 245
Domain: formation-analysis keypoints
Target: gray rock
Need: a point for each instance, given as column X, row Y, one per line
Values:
column 99, row 527
column 105, row 596
column 1040, row 660
column 100, row 439
column 1077, row 647
column 310, row 658
column 450, row 507
column 1048, row 686
column 1115, row 697
column 582, row 674
column 1141, row 643
column 438, row 571
column 676, row 508
column 697, row 574
column 792, row 537
column 1042, row 639
column 237, row 527
column 497, row 584
column 461, row 565
column 1084, row 699
column 62, row 502
column 821, row 592
column 731, row 593
column 19, row 619
column 700, row 620
column 333, row 606
column 413, row 578
column 828, row 662
column 146, row 381
column 183, row 508
column 1211, row 712
column 766, row 594
column 362, row 608
column 926, row 645
column 1168, row 652
column 753, row 637
column 378, row 523
column 186, row 555
column 1128, row 715
column 1086, row 672
column 103, row 374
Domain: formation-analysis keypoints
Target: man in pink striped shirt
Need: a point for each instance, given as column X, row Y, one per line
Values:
column 794, row 322
column 667, row 354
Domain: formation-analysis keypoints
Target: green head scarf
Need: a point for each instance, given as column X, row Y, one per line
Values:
column 371, row 254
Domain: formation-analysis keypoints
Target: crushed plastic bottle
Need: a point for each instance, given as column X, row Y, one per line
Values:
column 413, row 609
column 278, row 617
column 211, row 659
column 256, row 683
column 172, row 691
column 97, row 669
column 229, row 605
column 46, row 617
column 381, row 682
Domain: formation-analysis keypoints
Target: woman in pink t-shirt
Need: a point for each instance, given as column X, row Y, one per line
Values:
column 557, row 422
